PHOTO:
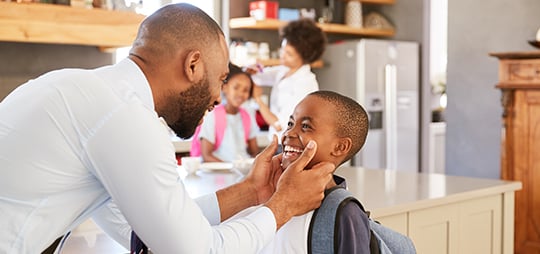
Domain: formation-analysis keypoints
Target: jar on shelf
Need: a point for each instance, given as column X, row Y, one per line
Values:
column 353, row 13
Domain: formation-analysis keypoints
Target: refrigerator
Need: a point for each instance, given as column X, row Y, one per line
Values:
column 383, row 76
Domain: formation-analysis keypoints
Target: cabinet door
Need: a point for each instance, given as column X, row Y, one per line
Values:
column 434, row 230
column 524, row 165
column 397, row 222
column 480, row 226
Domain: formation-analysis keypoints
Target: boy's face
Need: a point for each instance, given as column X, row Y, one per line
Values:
column 312, row 119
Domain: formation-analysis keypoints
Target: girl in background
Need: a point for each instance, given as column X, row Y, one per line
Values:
column 228, row 132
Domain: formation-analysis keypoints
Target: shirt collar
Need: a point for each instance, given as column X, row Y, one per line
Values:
column 136, row 79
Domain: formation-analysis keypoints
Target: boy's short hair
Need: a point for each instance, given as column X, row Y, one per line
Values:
column 236, row 70
column 306, row 37
column 352, row 119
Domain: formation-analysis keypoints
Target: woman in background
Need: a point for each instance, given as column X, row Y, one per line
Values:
column 228, row 132
column 302, row 43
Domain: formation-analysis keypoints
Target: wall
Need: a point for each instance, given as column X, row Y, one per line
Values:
column 20, row 62
column 473, row 115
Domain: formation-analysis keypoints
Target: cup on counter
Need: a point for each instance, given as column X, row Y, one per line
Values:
column 191, row 164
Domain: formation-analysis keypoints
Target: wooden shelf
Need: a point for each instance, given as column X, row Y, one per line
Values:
column 57, row 24
column 273, row 24
column 375, row 1
column 273, row 62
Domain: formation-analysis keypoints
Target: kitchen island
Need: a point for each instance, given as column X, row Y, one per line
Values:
column 440, row 213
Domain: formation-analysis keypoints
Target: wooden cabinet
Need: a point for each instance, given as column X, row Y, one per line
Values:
column 471, row 226
column 58, row 24
column 519, row 81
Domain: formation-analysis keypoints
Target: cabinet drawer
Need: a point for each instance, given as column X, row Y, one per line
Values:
column 526, row 71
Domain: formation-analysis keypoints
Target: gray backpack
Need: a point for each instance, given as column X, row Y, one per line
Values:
column 321, row 238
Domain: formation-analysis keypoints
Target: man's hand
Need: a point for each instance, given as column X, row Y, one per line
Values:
column 299, row 191
column 265, row 172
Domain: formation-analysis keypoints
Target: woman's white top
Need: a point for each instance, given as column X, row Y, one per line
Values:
column 286, row 92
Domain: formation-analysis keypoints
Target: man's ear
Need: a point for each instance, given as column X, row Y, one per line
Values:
column 193, row 66
column 342, row 147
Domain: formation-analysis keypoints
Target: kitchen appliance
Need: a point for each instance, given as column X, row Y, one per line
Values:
column 383, row 76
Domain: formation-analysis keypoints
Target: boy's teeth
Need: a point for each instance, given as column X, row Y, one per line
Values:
column 292, row 149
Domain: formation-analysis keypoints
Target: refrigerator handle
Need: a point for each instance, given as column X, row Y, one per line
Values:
column 390, row 83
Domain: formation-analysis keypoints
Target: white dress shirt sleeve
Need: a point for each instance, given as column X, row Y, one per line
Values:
column 112, row 221
column 133, row 158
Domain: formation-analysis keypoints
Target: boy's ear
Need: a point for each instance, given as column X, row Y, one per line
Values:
column 342, row 147
column 193, row 66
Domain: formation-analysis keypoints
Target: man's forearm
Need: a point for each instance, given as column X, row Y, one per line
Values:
column 235, row 198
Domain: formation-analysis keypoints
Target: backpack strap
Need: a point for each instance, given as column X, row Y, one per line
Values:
column 195, row 143
column 221, row 123
column 220, row 117
column 323, row 225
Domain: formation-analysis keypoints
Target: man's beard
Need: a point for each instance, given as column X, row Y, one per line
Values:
column 187, row 109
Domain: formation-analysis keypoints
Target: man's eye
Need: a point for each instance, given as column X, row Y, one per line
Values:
column 306, row 126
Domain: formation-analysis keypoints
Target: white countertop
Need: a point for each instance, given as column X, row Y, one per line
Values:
column 386, row 192
column 383, row 192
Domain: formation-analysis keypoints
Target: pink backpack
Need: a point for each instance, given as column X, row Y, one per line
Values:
column 220, row 116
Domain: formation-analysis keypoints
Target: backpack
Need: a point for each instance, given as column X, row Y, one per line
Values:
column 321, row 236
column 220, row 116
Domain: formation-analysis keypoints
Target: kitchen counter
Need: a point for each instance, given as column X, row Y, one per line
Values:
column 441, row 213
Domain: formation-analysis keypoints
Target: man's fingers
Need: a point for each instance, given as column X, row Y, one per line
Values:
column 306, row 156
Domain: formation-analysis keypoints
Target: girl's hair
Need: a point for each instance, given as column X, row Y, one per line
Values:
column 306, row 37
column 235, row 70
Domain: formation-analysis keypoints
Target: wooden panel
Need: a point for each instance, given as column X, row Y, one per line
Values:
column 49, row 23
column 508, row 222
column 374, row 1
column 481, row 226
column 398, row 222
column 526, row 168
column 273, row 24
column 529, row 72
column 435, row 230
column 519, row 76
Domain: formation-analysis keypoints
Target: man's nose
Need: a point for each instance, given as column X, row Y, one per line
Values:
column 217, row 101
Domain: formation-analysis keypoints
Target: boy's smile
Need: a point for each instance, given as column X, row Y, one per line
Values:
column 291, row 153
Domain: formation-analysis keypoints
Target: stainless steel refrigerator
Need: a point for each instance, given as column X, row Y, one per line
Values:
column 383, row 76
